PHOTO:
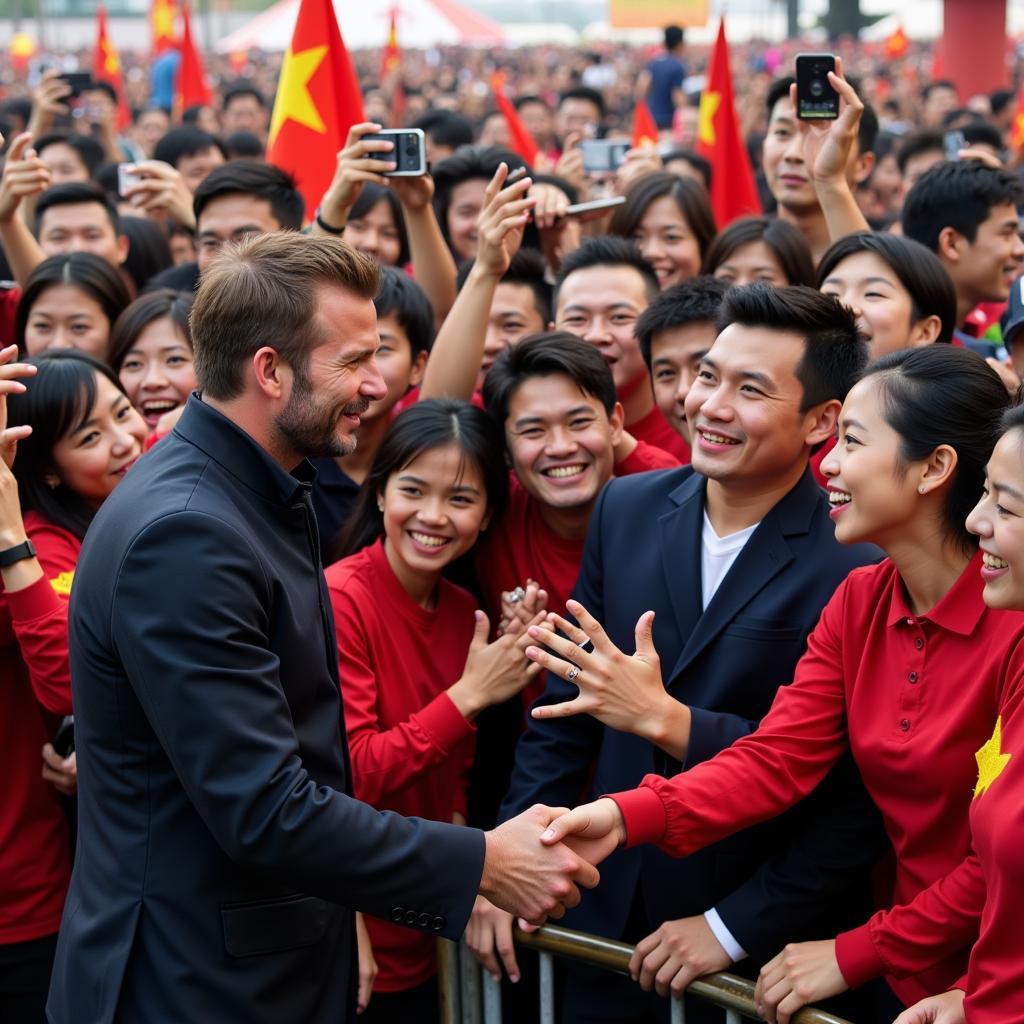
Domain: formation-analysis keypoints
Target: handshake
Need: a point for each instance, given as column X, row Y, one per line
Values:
column 536, row 862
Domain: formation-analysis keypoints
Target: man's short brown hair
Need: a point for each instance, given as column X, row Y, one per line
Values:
column 262, row 292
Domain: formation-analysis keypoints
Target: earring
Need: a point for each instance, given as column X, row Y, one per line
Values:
column 380, row 504
column 53, row 482
column 920, row 489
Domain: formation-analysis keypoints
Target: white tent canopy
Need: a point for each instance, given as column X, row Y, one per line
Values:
column 364, row 24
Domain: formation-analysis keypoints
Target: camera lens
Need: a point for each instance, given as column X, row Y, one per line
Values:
column 817, row 88
column 410, row 145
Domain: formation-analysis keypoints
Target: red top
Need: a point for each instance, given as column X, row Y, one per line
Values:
column 35, row 862
column 410, row 746
column 654, row 429
column 9, row 297
column 914, row 696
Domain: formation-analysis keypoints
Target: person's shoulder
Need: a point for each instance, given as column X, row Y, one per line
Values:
column 350, row 573
column 654, row 486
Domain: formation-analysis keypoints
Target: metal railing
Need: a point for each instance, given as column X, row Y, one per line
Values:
column 470, row 995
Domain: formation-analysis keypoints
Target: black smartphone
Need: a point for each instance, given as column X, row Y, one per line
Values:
column 64, row 740
column 604, row 155
column 78, row 80
column 816, row 100
column 409, row 154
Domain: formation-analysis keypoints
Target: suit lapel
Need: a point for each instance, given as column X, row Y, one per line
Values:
column 680, row 537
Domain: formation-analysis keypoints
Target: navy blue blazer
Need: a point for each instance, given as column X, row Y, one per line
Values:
column 218, row 844
column 783, row 880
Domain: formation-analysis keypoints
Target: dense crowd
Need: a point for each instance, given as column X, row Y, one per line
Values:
column 717, row 518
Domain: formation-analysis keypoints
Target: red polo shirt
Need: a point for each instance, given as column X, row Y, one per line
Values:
column 914, row 697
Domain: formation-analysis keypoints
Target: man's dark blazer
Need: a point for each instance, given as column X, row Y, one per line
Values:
column 218, row 847
column 643, row 551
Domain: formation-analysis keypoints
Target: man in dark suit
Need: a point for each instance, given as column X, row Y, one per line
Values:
column 736, row 557
column 219, row 846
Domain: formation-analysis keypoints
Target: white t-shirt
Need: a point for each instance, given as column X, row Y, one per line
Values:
column 717, row 556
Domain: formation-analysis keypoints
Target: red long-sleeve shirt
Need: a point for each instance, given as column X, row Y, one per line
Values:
column 410, row 746
column 914, row 696
column 35, row 692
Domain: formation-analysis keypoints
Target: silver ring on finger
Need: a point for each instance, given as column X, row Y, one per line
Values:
column 517, row 595
column 586, row 645
column 574, row 671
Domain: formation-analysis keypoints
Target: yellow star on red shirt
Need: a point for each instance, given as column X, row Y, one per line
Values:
column 293, row 99
column 991, row 760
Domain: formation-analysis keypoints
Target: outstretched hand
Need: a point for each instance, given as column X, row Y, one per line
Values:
column 592, row 830
column 502, row 221
column 10, row 384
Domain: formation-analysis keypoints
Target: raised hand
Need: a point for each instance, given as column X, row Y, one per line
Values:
column 355, row 167
column 677, row 953
column 48, row 102
column 10, row 384
column 947, row 1008
column 24, row 175
column 804, row 972
column 529, row 878
column 501, row 222
column 414, row 192
column 593, row 830
column 161, row 192
column 524, row 606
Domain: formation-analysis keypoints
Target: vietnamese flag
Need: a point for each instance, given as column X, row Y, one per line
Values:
column 193, row 88
column 391, row 67
column 645, row 131
column 162, row 15
column 897, row 44
column 318, row 100
column 733, row 192
column 106, row 67
column 522, row 142
column 1017, row 129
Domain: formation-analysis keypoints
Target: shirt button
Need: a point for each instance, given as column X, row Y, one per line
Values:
column 904, row 724
column 919, row 643
column 912, row 677
column 910, row 622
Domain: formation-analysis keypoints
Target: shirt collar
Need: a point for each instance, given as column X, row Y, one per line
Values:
column 238, row 452
column 958, row 612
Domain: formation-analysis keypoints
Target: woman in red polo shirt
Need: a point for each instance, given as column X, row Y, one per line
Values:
column 906, row 668
column 415, row 665
column 84, row 437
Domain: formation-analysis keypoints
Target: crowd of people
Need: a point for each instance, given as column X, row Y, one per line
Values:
column 719, row 519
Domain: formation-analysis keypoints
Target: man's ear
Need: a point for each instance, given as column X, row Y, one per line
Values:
column 272, row 376
column 863, row 166
column 617, row 419
column 122, row 249
column 950, row 245
column 821, row 422
column 419, row 367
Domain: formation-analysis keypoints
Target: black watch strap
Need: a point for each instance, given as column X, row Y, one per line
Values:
column 329, row 228
column 26, row 549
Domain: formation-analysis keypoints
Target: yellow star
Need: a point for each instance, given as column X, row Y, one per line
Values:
column 709, row 102
column 111, row 63
column 163, row 19
column 293, row 99
column 991, row 760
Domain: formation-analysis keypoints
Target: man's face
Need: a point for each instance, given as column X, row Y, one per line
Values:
column 939, row 103
column 578, row 115
column 396, row 364
column 339, row 381
column 744, row 408
column 64, row 164
column 81, row 227
column 560, row 441
column 986, row 268
column 601, row 305
column 783, row 160
column 150, row 128
column 244, row 114
column 676, row 355
column 539, row 122
column 231, row 218
column 513, row 316
column 919, row 164
column 193, row 169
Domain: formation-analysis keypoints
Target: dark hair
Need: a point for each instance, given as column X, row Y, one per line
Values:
column 545, row 355
column 982, row 134
column 787, row 245
column 150, row 108
column 445, row 128
column 242, row 88
column 243, row 145
column 524, row 101
column 999, row 100
column 71, row 194
column 673, row 36
column 925, row 141
column 92, row 274
column 699, row 163
column 698, row 300
column 263, row 181
column 104, row 87
column 867, row 130
column 147, row 309
column 190, row 115
column 401, row 295
column 918, row 269
column 368, row 198
column 941, row 83
column 958, row 195
column 525, row 268
column 62, row 395
column 834, row 352
column 690, row 198
column 423, row 427
column 148, row 250
column 89, row 151
column 939, row 395
column 583, row 92
column 183, row 142
column 607, row 251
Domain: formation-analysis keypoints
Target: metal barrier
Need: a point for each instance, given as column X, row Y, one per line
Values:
column 470, row 996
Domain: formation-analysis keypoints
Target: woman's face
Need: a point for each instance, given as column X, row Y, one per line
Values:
column 64, row 316
column 665, row 239
column 157, row 371
column 873, row 493
column 883, row 307
column 375, row 234
column 751, row 262
column 434, row 509
column 998, row 519
column 92, row 459
column 466, row 203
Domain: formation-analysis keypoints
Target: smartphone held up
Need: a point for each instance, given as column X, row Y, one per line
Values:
column 409, row 154
column 816, row 99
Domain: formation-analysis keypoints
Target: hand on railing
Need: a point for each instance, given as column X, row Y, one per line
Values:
column 489, row 937
column 947, row 1008
column 802, row 973
column 679, row 951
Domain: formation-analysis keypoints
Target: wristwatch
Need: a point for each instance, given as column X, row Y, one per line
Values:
column 26, row 549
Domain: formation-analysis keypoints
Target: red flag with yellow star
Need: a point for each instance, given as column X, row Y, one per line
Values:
column 106, row 67
column 162, row 16
column 193, row 87
column 897, row 44
column 1017, row 130
column 733, row 192
column 391, row 55
column 521, row 141
column 645, row 129
column 318, row 100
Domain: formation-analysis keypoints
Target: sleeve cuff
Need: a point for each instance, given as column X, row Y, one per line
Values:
column 726, row 939
column 444, row 722
column 858, row 960
column 643, row 814
column 33, row 602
